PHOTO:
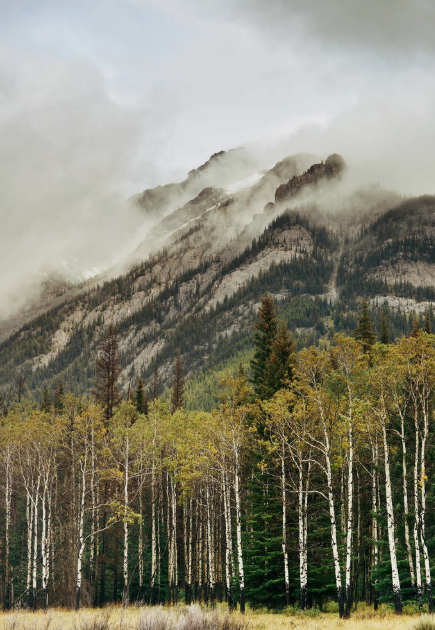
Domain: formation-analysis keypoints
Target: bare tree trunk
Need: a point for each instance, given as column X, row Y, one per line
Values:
column 174, row 540
column 189, row 552
column 228, row 541
column 210, row 550
column 125, row 594
column 8, row 502
column 140, row 542
column 423, row 512
column 416, row 530
column 35, row 544
column 239, row 533
column 44, row 547
column 284, row 529
column 390, row 526
column 349, row 523
column 93, row 513
column 405, row 501
column 153, row 537
column 375, row 528
column 30, row 512
column 81, row 536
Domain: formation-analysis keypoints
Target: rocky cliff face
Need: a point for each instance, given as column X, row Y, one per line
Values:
column 195, row 282
column 333, row 167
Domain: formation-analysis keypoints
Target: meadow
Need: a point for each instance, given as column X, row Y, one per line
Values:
column 195, row 618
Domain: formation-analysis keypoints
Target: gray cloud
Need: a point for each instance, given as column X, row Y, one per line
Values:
column 67, row 153
column 77, row 139
column 401, row 27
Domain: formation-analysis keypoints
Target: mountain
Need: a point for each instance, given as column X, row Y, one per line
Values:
column 300, row 230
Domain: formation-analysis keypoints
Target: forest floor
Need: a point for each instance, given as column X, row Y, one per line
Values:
column 180, row 618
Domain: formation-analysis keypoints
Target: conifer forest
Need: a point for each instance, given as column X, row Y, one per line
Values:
column 311, row 482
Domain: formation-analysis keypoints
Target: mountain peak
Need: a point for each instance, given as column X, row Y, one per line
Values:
column 333, row 166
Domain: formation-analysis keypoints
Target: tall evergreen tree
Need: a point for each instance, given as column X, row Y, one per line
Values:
column 264, row 337
column 280, row 362
column 364, row 331
column 141, row 398
column 177, row 400
column 155, row 382
column 427, row 324
column 107, row 370
column 59, row 398
column 46, row 402
column 20, row 387
column 415, row 328
column 384, row 336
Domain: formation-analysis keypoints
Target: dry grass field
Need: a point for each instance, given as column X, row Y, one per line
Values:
column 180, row 618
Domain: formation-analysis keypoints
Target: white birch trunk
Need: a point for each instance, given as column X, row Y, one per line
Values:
column 375, row 529
column 405, row 501
column 211, row 577
column 228, row 541
column 35, row 543
column 8, row 502
column 416, row 530
column 81, row 548
column 125, row 594
column 239, row 532
column 153, row 535
column 423, row 511
column 30, row 515
column 349, row 522
column 390, row 526
column 284, row 529
column 44, row 546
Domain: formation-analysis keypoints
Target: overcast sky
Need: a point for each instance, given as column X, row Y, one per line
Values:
column 102, row 98
column 202, row 75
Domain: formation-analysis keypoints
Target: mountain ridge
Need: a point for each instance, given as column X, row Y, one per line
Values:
column 210, row 260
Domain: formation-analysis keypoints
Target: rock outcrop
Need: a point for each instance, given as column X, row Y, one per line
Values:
column 332, row 167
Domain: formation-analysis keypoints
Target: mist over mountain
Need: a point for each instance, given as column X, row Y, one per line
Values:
column 306, row 230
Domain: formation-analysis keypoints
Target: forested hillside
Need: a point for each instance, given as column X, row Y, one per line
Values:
column 194, row 284
column 308, row 484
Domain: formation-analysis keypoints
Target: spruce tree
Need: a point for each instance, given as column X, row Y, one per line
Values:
column 427, row 324
column 155, row 382
column 415, row 328
column 264, row 337
column 177, row 400
column 364, row 331
column 20, row 387
column 59, row 398
column 46, row 402
column 107, row 370
column 384, row 336
column 280, row 363
column 141, row 398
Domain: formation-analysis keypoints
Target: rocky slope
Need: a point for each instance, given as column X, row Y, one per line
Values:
column 194, row 284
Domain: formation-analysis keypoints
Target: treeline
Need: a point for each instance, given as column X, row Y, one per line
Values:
column 312, row 482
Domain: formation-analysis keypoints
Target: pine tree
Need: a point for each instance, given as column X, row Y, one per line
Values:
column 264, row 337
column 177, row 400
column 46, row 402
column 107, row 370
column 240, row 370
column 280, row 362
column 415, row 328
column 59, row 398
column 384, row 336
column 20, row 387
column 155, row 382
column 364, row 331
column 141, row 398
column 427, row 324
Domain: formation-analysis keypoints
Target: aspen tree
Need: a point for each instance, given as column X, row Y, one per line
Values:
column 381, row 409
